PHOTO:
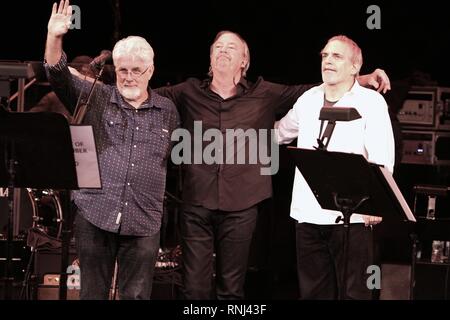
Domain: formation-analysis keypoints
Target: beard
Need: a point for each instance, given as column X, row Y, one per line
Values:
column 130, row 93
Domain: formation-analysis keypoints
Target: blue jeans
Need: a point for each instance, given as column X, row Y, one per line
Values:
column 229, row 235
column 98, row 250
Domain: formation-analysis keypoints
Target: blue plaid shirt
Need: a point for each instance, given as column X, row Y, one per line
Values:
column 133, row 146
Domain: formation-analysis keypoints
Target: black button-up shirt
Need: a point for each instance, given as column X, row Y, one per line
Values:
column 229, row 187
column 133, row 146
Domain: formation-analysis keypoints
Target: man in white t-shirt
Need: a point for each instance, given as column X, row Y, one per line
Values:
column 319, row 238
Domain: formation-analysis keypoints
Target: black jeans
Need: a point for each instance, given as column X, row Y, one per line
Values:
column 229, row 235
column 320, row 261
column 98, row 250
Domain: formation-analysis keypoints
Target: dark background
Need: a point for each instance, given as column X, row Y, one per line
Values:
column 284, row 36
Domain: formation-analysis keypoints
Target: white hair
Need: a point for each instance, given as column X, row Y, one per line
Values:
column 134, row 46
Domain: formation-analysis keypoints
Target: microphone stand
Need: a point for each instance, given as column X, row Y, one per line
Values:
column 324, row 140
column 81, row 108
column 79, row 113
column 347, row 206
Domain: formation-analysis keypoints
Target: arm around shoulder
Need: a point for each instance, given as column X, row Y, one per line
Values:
column 377, row 79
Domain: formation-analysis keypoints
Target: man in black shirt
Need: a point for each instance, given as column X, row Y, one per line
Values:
column 221, row 198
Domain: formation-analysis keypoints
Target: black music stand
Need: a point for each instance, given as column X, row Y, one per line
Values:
column 350, row 184
column 36, row 152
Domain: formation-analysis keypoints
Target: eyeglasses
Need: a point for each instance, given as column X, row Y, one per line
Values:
column 135, row 73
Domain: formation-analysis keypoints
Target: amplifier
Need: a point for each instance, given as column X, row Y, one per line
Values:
column 426, row 147
column 51, row 292
column 49, row 263
column 418, row 147
column 418, row 108
column 431, row 282
column 426, row 107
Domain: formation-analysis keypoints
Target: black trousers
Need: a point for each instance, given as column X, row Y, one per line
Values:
column 320, row 262
column 228, row 235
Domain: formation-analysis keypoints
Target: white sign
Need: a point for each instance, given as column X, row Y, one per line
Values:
column 85, row 153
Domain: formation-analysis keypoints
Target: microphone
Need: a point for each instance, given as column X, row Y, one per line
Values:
column 100, row 60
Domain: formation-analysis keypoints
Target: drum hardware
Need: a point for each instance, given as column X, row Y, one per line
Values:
column 47, row 211
column 168, row 259
column 46, row 228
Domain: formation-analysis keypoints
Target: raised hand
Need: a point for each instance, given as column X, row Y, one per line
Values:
column 59, row 22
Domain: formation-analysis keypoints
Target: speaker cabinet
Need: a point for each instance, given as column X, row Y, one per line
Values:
column 432, row 281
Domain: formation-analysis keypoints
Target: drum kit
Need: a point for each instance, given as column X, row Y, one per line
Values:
column 38, row 209
column 41, row 222
column 46, row 211
column 47, row 216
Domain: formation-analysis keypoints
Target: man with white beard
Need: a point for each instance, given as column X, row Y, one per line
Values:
column 132, row 126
